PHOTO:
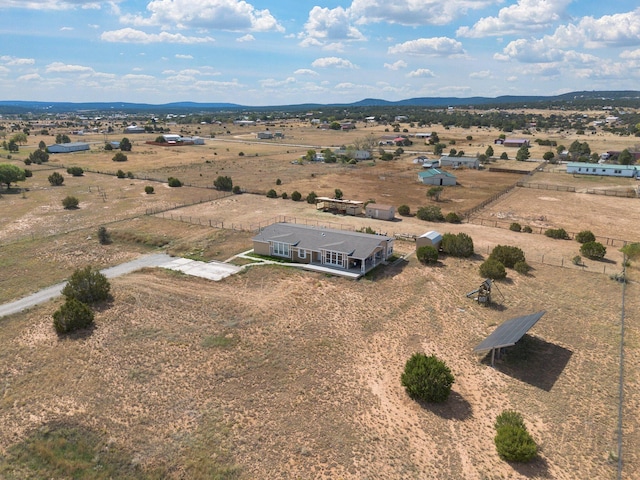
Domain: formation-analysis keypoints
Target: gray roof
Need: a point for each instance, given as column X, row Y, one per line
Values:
column 433, row 172
column 354, row 244
column 509, row 332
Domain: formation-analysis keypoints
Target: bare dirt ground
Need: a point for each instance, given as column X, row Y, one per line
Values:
column 306, row 384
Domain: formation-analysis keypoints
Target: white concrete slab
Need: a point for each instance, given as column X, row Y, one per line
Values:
column 215, row 271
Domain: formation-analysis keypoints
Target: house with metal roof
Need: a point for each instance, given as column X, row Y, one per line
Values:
column 68, row 147
column 326, row 247
column 602, row 169
column 457, row 162
column 435, row 176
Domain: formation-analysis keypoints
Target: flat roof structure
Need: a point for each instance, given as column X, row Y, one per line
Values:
column 507, row 334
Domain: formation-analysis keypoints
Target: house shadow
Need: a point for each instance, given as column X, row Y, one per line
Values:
column 534, row 361
column 455, row 408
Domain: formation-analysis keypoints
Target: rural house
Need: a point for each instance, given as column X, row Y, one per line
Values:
column 457, row 162
column 68, row 147
column 379, row 211
column 336, row 249
column 515, row 142
column 606, row 170
column 434, row 176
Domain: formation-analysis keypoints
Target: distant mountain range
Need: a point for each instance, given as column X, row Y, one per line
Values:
column 613, row 98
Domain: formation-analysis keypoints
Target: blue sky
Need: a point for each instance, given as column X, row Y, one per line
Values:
column 259, row 52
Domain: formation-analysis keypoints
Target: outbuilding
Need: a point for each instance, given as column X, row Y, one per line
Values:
column 379, row 211
column 431, row 238
column 434, row 176
column 606, row 170
column 68, row 147
column 457, row 162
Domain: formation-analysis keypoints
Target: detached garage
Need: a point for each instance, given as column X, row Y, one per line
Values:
column 431, row 238
column 68, row 147
column 434, row 176
column 379, row 211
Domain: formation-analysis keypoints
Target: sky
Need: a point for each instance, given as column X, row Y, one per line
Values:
column 284, row 52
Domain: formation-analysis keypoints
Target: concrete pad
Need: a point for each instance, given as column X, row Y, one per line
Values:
column 215, row 271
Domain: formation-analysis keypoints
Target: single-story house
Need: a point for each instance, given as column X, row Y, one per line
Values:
column 265, row 135
column 379, row 211
column 434, row 176
column 607, row 170
column 457, row 162
column 515, row 142
column 68, row 147
column 134, row 129
column 357, row 154
column 431, row 238
column 172, row 137
column 336, row 249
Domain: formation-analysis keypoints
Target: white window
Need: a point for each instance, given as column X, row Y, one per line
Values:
column 302, row 253
column 280, row 249
column 334, row 258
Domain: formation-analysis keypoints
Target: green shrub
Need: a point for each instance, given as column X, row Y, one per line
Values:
column 404, row 210
column 430, row 213
column 427, row 378
column 103, row 236
column 493, row 269
column 70, row 203
column 311, row 198
column 527, row 229
column 130, row 175
column 577, row 260
column 585, row 236
column 148, row 190
column 272, row 193
column 55, row 179
column 284, row 195
column 460, row 245
column 28, row 173
column 513, row 441
column 558, row 233
column 236, row 189
column 121, row 174
column 119, row 157
column 593, row 250
column 515, row 227
column 174, row 182
column 75, row 171
column 427, row 254
column 522, row 267
column 507, row 255
column 71, row 316
column 87, row 286
column 223, row 183
column 452, row 217
column 296, row 196
column 278, row 181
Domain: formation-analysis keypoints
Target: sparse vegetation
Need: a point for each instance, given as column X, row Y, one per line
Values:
column 513, row 441
column 593, row 250
column 223, row 183
column 557, row 233
column 430, row 213
column 527, row 229
column 119, row 157
column 585, row 236
column 427, row 378
column 452, row 217
column 427, row 254
column 522, row 267
column 70, row 202
column 457, row 245
column 55, row 179
column 104, row 237
column 515, row 227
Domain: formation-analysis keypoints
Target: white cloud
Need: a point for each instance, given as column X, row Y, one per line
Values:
column 414, row 12
column 337, row 62
column 421, row 73
column 14, row 61
column 232, row 15
column 437, row 46
column 305, row 71
column 66, row 29
column 396, row 65
column 481, row 74
column 184, row 57
column 31, row 77
column 326, row 24
column 273, row 83
column 52, row 4
column 130, row 35
column 59, row 67
column 631, row 54
column 246, row 38
column 526, row 15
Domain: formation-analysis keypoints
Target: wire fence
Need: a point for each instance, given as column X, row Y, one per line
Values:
column 627, row 193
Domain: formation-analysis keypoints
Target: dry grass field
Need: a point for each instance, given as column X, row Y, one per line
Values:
column 277, row 373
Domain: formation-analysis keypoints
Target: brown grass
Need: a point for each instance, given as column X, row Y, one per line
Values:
column 308, row 381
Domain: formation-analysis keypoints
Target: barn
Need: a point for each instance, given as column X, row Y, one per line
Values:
column 431, row 238
column 457, row 162
column 434, row 176
column 68, row 147
column 379, row 211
